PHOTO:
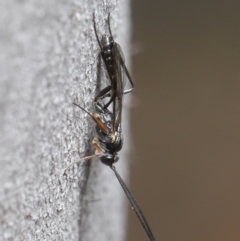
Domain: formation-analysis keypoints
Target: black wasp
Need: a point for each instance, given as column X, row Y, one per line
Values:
column 109, row 138
column 113, row 58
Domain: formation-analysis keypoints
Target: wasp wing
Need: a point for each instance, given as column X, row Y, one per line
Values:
column 120, row 82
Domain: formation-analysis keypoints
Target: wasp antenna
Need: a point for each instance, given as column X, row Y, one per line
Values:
column 136, row 208
column 83, row 110
column 81, row 160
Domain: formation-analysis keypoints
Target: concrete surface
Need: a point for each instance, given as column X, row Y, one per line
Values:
column 48, row 60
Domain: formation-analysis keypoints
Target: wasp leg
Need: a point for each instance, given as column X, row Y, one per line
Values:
column 96, row 144
column 128, row 76
column 96, row 117
column 103, row 93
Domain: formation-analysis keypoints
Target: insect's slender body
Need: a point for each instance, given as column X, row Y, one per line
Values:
column 109, row 58
column 109, row 139
column 113, row 59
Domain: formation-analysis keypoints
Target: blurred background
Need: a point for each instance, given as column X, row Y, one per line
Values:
column 186, row 125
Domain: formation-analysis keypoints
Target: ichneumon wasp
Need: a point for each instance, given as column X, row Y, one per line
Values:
column 109, row 140
column 112, row 56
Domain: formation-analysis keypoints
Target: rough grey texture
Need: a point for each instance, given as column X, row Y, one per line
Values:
column 48, row 60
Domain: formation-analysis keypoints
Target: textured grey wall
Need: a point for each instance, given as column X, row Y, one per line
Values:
column 48, row 60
